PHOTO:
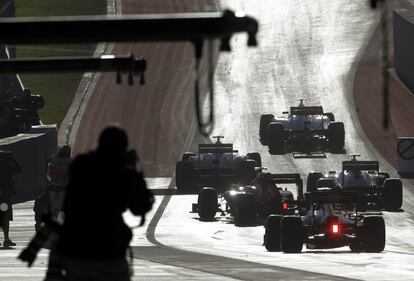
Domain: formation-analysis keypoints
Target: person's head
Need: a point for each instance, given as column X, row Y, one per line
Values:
column 113, row 140
column 64, row 151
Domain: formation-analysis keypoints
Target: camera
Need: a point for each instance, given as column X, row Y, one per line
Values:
column 51, row 225
column 131, row 158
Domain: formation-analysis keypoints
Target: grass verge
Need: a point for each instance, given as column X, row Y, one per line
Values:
column 58, row 89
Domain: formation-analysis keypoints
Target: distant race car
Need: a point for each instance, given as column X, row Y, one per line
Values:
column 375, row 189
column 302, row 127
column 332, row 221
column 216, row 165
column 248, row 203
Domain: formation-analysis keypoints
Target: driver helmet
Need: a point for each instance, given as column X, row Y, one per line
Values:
column 356, row 174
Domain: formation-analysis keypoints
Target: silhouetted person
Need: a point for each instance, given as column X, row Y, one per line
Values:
column 9, row 167
column 51, row 201
column 268, row 194
column 57, row 175
column 102, row 185
column 41, row 206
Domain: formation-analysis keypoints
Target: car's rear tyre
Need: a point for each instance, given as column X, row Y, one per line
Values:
column 326, row 183
column 256, row 157
column 336, row 135
column 207, row 203
column 373, row 234
column 393, row 194
column 187, row 155
column 292, row 234
column 356, row 246
column 265, row 120
column 272, row 233
column 247, row 171
column 276, row 133
column 330, row 115
column 245, row 212
column 313, row 178
column 185, row 177
column 382, row 176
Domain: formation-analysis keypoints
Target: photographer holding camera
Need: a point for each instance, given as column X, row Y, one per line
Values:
column 102, row 184
column 9, row 167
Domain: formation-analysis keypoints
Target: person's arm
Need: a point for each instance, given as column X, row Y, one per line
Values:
column 74, row 176
column 140, row 198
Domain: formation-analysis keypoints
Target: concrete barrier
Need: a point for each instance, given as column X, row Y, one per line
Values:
column 403, row 26
column 32, row 150
column 405, row 152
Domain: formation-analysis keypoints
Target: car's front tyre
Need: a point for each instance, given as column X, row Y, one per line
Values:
column 207, row 203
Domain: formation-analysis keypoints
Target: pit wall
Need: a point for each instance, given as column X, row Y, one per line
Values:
column 32, row 151
column 403, row 28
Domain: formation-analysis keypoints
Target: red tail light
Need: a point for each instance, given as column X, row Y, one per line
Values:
column 285, row 206
column 333, row 225
column 335, row 228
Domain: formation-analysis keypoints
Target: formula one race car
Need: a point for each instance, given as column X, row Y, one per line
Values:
column 375, row 189
column 247, row 203
column 215, row 165
column 332, row 221
column 304, row 128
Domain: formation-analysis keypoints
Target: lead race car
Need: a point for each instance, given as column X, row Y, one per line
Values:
column 246, row 204
column 333, row 220
column 217, row 165
column 375, row 189
column 303, row 128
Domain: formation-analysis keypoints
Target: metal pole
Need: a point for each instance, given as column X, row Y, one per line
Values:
column 127, row 28
column 385, row 66
column 106, row 63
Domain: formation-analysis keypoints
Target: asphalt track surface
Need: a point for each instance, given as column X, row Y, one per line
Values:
column 307, row 49
column 156, row 115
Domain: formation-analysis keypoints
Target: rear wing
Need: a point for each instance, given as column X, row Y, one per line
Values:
column 360, row 165
column 306, row 110
column 216, row 148
column 288, row 178
column 284, row 178
column 327, row 197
